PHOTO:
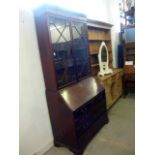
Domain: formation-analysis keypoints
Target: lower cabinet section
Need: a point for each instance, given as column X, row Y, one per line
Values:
column 96, row 126
column 113, row 86
column 80, row 112
column 87, row 115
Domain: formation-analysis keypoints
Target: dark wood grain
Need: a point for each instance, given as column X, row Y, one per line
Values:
column 77, row 109
column 129, row 70
column 45, row 51
column 78, row 94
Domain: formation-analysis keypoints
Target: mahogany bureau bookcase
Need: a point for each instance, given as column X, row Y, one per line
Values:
column 76, row 101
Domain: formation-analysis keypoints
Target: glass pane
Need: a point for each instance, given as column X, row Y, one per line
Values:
column 104, row 54
column 65, row 71
column 80, row 40
column 80, row 44
column 82, row 68
column 61, row 46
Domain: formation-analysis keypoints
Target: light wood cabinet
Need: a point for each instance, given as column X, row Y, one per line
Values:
column 98, row 32
column 113, row 86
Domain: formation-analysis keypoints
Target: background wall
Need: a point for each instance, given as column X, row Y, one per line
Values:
column 113, row 18
column 35, row 130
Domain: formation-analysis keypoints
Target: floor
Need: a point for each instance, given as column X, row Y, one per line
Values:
column 117, row 137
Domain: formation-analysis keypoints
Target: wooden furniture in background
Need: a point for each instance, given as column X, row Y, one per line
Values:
column 128, row 79
column 98, row 32
column 113, row 86
column 129, row 70
column 129, row 52
column 76, row 101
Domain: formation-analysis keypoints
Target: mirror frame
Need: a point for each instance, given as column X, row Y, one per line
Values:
column 103, row 65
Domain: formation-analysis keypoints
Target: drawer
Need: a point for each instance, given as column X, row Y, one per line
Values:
column 85, row 116
column 95, row 127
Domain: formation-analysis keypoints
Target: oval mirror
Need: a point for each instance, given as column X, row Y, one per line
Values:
column 103, row 60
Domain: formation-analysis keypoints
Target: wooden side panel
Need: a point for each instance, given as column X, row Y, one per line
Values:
column 45, row 52
column 62, row 120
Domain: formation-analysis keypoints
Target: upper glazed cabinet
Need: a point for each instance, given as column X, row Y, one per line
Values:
column 65, row 47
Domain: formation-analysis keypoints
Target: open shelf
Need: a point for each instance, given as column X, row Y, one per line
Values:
column 94, row 65
column 98, row 32
column 94, row 53
column 98, row 35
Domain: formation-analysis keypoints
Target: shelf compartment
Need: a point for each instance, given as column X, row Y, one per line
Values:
column 95, row 65
column 94, row 47
column 94, row 53
column 94, row 70
column 109, row 46
column 97, row 32
column 94, row 59
column 98, row 35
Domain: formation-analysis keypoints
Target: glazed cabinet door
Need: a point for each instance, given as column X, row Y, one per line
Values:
column 80, row 47
column 61, row 44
